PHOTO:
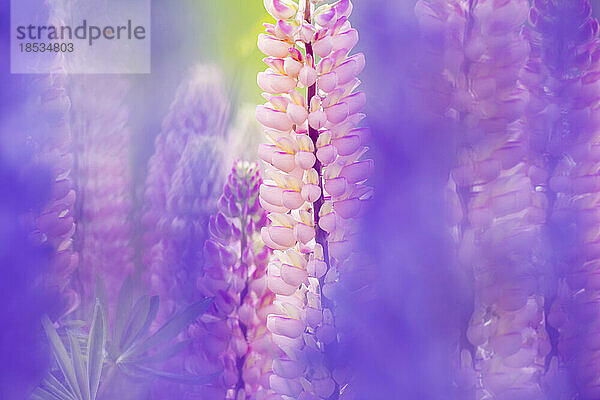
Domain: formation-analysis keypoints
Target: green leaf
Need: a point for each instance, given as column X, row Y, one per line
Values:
column 80, row 373
column 141, row 371
column 124, row 304
column 96, row 346
column 171, row 328
column 136, row 322
column 55, row 386
column 60, row 353
column 165, row 353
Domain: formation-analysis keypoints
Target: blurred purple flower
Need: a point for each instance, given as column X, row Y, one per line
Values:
column 181, row 189
column 103, row 180
column 563, row 76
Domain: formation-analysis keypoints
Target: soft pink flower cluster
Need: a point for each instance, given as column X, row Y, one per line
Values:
column 314, row 182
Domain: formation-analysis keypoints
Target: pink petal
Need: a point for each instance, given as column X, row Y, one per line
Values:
column 304, row 233
column 327, row 222
column 336, row 186
column 358, row 171
column 316, row 268
column 297, row 113
column 323, row 47
column 340, row 250
column 281, row 9
column 266, row 151
column 314, row 317
column 326, row 154
column 292, row 67
column 285, row 326
column 292, row 275
column 278, row 286
column 282, row 235
column 269, row 207
column 292, row 199
column 307, row 76
column 286, row 368
column 274, row 83
column 337, row 113
column 266, row 237
column 283, row 161
column 327, row 82
column 346, row 40
column 274, row 119
column 356, row 102
column 347, row 208
column 305, row 159
column 317, row 119
column 273, row 47
column 286, row 387
column 271, row 194
column 346, row 145
column 311, row 193
column 349, row 69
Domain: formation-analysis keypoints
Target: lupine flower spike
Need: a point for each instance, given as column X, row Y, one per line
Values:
column 182, row 186
column 314, row 182
column 54, row 224
column 231, row 337
column 100, row 124
column 563, row 76
column 495, row 204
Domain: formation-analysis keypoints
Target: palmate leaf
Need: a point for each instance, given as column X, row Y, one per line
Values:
column 169, row 330
column 53, row 385
column 124, row 304
column 140, row 371
column 80, row 372
column 60, row 353
column 137, row 321
column 96, row 349
column 165, row 353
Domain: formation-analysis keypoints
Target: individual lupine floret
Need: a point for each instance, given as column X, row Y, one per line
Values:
column 314, row 183
column 232, row 336
column 184, row 176
column 563, row 76
column 502, row 214
column 100, row 124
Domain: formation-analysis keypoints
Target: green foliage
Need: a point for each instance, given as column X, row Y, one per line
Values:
column 85, row 374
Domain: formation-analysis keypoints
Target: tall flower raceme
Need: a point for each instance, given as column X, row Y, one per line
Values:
column 497, row 210
column 182, row 187
column 100, row 127
column 563, row 76
column 231, row 339
column 53, row 223
column 314, row 184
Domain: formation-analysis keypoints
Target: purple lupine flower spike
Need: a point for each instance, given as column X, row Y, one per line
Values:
column 232, row 336
column 53, row 223
column 315, row 182
column 180, row 192
column 501, row 228
column 563, row 76
column 104, row 182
